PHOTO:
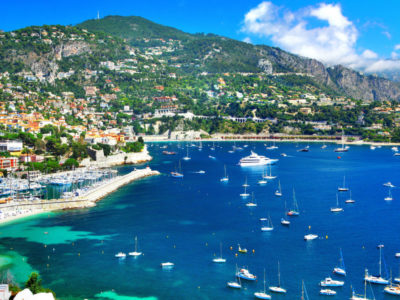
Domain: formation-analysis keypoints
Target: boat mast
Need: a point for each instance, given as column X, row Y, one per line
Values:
column 380, row 261
column 279, row 276
column 135, row 243
column 264, row 282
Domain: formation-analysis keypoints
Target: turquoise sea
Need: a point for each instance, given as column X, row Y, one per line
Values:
column 185, row 220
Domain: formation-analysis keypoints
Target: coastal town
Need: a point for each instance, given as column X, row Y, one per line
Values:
column 83, row 108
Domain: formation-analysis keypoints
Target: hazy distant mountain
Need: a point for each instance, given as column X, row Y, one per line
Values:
column 214, row 53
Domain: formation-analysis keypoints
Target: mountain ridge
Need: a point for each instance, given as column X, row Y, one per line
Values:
column 218, row 54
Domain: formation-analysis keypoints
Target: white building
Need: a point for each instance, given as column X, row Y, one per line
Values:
column 12, row 146
column 4, row 292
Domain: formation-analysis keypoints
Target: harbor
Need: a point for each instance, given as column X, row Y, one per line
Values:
column 16, row 208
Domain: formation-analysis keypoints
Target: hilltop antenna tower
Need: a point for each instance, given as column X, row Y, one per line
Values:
column 98, row 15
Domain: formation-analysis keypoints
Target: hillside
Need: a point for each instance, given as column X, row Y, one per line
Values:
column 211, row 53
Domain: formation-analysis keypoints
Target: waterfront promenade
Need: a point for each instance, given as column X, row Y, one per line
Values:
column 16, row 210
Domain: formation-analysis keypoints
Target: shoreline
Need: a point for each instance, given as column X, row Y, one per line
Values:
column 89, row 199
column 277, row 140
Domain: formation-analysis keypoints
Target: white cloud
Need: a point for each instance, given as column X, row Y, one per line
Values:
column 334, row 42
column 247, row 40
column 387, row 34
column 368, row 54
column 397, row 47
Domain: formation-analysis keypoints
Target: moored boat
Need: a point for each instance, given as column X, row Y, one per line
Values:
column 245, row 274
column 256, row 160
column 331, row 282
column 327, row 292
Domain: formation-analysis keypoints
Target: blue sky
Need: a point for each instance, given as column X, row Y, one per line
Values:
column 371, row 30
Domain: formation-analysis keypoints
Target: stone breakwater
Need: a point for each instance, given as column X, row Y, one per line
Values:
column 16, row 210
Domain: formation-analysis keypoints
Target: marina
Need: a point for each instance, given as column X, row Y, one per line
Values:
column 182, row 225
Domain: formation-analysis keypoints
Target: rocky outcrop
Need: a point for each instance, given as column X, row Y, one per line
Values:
column 364, row 87
column 339, row 78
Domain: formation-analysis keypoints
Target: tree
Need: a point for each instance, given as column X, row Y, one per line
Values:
column 70, row 163
column 34, row 283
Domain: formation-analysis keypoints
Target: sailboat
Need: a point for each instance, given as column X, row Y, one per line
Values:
column 263, row 294
column 377, row 279
column 343, row 188
column 284, row 221
column 135, row 253
column 262, row 181
column 354, row 296
column 187, row 157
column 269, row 226
column 389, row 197
column 213, row 147
column 252, row 203
column 295, row 211
column 350, row 200
column 270, row 174
column 177, row 174
column 343, row 148
column 244, row 194
column 341, row 270
column 235, row 284
column 278, row 289
column 337, row 208
column 245, row 184
column 220, row 259
column 392, row 289
column 272, row 147
column 225, row 178
column 278, row 192
column 397, row 279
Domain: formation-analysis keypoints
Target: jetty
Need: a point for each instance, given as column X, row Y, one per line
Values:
column 16, row 210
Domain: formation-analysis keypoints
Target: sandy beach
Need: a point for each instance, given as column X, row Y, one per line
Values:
column 14, row 211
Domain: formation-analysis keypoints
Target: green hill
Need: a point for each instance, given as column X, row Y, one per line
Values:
column 197, row 53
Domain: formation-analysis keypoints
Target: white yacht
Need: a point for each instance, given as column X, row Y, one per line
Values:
column 256, row 160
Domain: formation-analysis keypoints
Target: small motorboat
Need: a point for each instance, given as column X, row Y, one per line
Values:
column 327, row 292
column 120, row 255
column 245, row 274
column 330, row 282
column 285, row 222
column 241, row 250
column 310, row 237
column 167, row 265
